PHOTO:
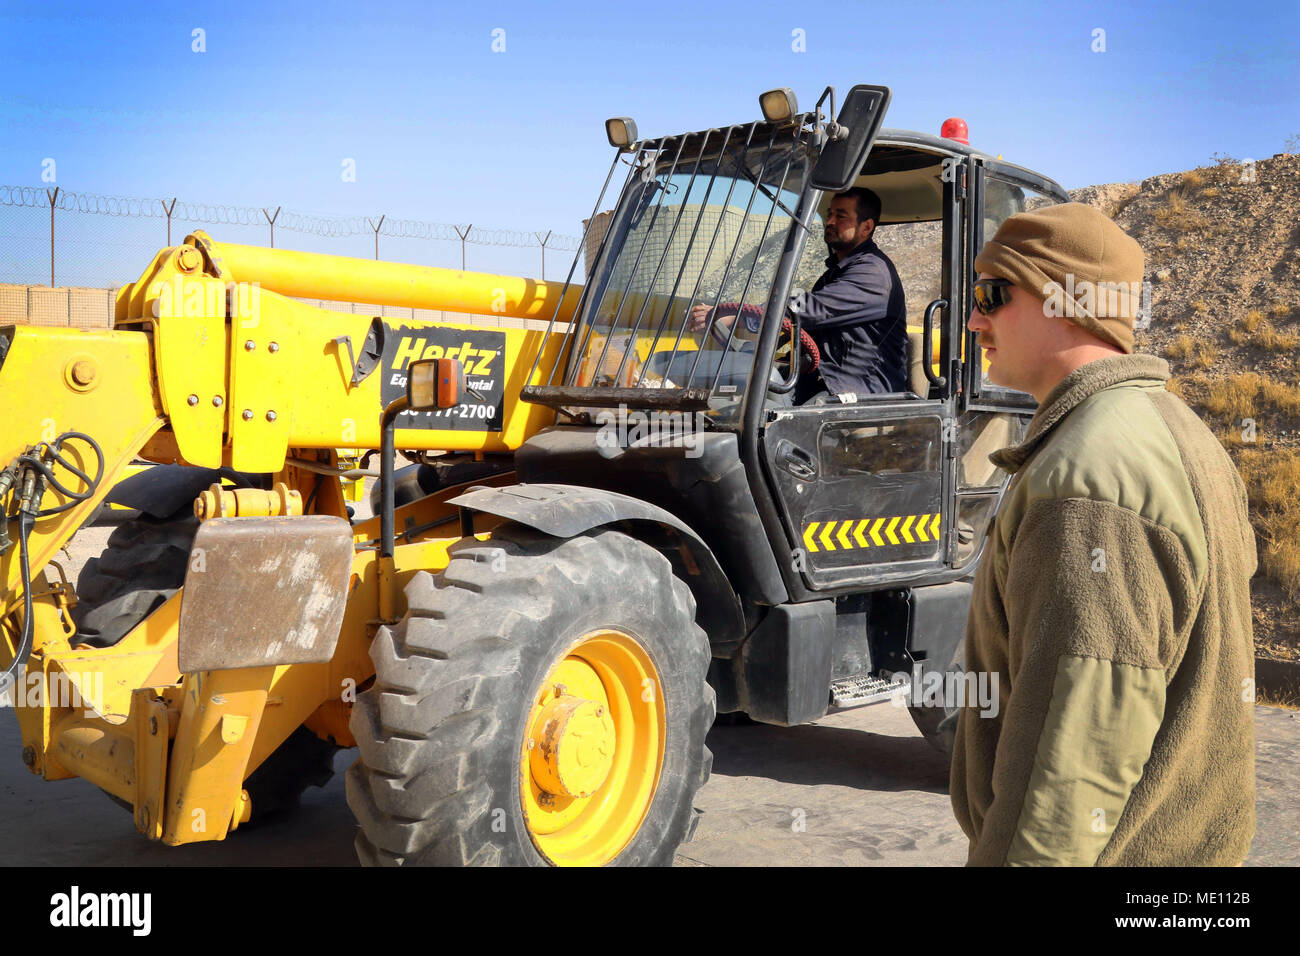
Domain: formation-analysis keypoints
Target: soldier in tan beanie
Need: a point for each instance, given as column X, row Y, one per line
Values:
column 1074, row 278
column 1113, row 600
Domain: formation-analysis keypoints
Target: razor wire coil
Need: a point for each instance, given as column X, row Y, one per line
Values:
column 316, row 225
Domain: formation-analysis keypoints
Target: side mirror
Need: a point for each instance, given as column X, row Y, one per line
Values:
column 434, row 383
column 842, row 158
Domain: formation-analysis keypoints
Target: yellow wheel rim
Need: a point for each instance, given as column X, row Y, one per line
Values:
column 592, row 751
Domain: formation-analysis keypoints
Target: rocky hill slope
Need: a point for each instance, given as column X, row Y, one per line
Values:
column 1222, row 247
column 1223, row 260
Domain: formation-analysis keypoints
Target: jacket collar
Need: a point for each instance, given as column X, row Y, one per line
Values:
column 861, row 249
column 1084, row 381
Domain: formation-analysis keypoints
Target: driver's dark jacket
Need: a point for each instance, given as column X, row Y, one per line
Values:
column 858, row 318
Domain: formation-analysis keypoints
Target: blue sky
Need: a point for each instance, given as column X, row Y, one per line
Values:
column 443, row 128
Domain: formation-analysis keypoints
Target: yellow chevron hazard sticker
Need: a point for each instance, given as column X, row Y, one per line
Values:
column 889, row 529
column 906, row 529
column 825, row 538
column 858, row 533
column 875, row 532
column 809, row 541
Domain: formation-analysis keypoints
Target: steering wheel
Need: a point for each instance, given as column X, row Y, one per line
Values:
column 722, row 335
column 810, row 356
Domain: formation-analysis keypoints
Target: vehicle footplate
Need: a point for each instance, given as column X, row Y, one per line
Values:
column 864, row 689
column 262, row 591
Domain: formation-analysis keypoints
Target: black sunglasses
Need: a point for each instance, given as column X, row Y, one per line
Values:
column 991, row 294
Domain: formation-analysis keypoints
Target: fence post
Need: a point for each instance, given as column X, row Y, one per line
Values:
column 375, row 226
column 271, row 219
column 53, row 197
column 538, row 237
column 168, row 210
column 463, row 235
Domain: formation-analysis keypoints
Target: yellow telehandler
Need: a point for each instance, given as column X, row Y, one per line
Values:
column 615, row 527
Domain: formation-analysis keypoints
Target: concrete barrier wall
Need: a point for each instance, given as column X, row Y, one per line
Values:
column 93, row 309
column 66, row 307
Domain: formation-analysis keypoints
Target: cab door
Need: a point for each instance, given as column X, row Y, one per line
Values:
column 865, row 490
column 989, row 417
column 861, row 489
column 997, row 192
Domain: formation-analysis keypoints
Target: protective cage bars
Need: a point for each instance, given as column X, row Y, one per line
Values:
column 654, row 165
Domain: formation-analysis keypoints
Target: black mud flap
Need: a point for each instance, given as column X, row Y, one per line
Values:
column 566, row 511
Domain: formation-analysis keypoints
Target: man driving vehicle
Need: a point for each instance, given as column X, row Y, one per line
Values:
column 855, row 312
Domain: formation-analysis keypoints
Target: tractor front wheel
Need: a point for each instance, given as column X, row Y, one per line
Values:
column 542, row 702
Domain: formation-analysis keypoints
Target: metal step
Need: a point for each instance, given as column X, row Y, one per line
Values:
column 865, row 689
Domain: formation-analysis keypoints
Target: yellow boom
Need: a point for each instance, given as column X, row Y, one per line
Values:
column 311, row 275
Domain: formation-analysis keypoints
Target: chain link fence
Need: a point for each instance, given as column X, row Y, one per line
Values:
column 51, row 236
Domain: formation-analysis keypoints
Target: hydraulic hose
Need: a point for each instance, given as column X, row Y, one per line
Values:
column 24, row 648
column 31, row 474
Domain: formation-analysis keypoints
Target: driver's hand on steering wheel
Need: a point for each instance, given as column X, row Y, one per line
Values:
column 700, row 318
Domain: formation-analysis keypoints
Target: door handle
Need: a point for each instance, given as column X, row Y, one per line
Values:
column 927, row 342
column 798, row 462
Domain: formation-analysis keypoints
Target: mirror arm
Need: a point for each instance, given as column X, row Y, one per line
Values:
column 387, row 454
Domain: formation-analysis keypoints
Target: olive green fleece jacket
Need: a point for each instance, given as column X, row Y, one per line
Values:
column 1113, row 605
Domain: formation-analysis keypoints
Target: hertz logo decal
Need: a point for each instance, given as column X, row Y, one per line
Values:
column 482, row 355
column 474, row 361
column 856, row 533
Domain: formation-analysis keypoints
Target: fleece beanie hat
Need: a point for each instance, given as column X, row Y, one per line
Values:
column 1075, row 260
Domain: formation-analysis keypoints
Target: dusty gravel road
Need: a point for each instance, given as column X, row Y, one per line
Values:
column 859, row 788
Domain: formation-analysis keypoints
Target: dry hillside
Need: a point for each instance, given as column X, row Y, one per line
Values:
column 1223, row 258
column 1223, row 263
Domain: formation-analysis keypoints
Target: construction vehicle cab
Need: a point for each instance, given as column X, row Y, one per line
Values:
column 620, row 527
column 846, row 532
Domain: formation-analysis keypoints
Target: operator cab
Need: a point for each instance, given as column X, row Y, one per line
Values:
column 898, row 487
column 878, row 490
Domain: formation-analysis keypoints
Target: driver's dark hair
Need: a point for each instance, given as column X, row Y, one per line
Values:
column 868, row 202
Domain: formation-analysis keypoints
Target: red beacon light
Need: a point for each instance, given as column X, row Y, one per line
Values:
column 954, row 128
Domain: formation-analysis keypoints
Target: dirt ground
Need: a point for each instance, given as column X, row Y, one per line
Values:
column 858, row 788
column 861, row 788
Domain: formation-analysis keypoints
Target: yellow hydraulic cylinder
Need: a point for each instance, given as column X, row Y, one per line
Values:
column 218, row 502
column 312, row 275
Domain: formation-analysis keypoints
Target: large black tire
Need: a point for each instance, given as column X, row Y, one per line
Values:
column 144, row 565
column 276, row 787
column 441, row 731
column 937, row 721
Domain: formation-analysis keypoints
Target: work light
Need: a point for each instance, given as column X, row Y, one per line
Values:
column 779, row 105
column 621, row 131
